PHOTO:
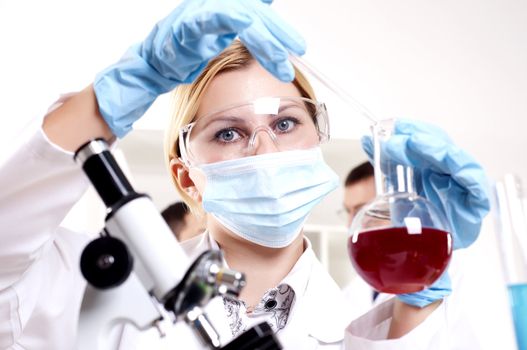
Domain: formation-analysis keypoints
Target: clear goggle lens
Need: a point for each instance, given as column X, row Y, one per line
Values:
column 278, row 123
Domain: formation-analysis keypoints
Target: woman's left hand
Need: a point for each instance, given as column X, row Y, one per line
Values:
column 444, row 174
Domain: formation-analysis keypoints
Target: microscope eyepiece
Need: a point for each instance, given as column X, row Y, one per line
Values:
column 104, row 173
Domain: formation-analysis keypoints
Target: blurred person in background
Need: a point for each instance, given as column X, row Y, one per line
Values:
column 183, row 222
column 359, row 189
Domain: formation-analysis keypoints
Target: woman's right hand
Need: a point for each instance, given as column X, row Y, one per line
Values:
column 180, row 46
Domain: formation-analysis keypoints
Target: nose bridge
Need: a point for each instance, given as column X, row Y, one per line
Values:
column 263, row 140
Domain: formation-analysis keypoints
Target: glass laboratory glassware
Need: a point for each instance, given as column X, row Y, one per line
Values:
column 511, row 218
column 399, row 242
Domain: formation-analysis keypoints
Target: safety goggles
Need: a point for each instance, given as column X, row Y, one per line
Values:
column 277, row 123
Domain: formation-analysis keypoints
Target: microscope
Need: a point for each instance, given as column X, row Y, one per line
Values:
column 137, row 272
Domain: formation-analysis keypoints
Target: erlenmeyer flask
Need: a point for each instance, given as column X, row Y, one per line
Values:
column 400, row 242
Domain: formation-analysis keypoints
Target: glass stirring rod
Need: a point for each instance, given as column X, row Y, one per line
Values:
column 329, row 84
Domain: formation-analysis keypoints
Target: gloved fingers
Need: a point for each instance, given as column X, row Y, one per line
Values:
column 394, row 151
column 428, row 146
column 367, row 146
column 406, row 127
column 451, row 160
column 464, row 208
column 431, row 144
column 392, row 154
column 182, row 43
column 422, row 145
column 221, row 17
column 268, row 2
column 410, row 127
column 425, row 151
column 217, row 20
column 444, row 173
column 422, row 152
column 281, row 30
column 268, row 51
column 438, row 290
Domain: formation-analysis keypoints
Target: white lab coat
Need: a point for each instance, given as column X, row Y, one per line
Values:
column 41, row 286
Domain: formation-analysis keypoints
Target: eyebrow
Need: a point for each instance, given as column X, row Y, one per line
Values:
column 292, row 105
column 226, row 119
column 217, row 117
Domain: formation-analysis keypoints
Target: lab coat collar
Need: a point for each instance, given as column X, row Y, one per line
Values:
column 298, row 277
column 319, row 308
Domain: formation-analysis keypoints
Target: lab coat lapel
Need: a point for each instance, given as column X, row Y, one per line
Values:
column 317, row 316
column 326, row 319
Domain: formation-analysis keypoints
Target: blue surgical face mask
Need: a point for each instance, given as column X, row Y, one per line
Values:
column 266, row 198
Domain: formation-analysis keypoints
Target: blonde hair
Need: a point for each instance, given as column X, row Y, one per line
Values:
column 187, row 98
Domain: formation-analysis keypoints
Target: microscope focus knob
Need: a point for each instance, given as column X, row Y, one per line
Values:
column 106, row 262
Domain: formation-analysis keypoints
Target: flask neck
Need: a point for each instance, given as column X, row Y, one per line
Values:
column 399, row 180
column 390, row 177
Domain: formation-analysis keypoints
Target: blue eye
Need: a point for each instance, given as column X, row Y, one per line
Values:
column 286, row 125
column 227, row 135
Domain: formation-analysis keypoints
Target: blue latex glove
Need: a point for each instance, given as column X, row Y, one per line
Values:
column 448, row 177
column 180, row 46
column 439, row 290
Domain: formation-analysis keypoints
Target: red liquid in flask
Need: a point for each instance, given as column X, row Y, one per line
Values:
column 393, row 261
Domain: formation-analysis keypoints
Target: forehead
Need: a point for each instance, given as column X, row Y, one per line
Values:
column 243, row 85
column 360, row 192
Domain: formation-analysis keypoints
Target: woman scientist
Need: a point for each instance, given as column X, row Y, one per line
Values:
column 239, row 152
